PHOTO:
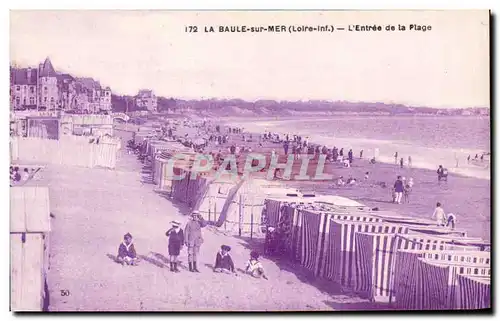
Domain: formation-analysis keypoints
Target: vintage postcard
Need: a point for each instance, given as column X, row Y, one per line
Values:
column 250, row 160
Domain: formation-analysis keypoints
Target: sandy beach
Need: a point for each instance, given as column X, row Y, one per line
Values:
column 468, row 198
column 94, row 208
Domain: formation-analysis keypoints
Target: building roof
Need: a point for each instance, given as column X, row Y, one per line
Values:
column 19, row 76
column 145, row 93
column 89, row 83
column 47, row 70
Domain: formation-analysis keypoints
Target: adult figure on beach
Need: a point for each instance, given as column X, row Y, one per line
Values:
column 193, row 239
column 409, row 161
column 350, row 156
column 401, row 162
column 361, row 154
column 439, row 215
column 442, row 173
column 341, row 152
column 398, row 190
column 396, row 158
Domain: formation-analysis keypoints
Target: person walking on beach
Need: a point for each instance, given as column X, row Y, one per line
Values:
column 409, row 161
column 350, row 156
column 468, row 159
column 396, row 158
column 398, row 190
column 439, row 215
column 175, row 243
column 442, row 173
column 193, row 239
column 361, row 154
column 401, row 162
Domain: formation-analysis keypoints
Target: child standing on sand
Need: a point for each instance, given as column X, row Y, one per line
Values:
column 254, row 267
column 175, row 241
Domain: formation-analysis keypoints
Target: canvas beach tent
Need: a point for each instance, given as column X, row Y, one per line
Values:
column 409, row 277
column 29, row 252
column 375, row 255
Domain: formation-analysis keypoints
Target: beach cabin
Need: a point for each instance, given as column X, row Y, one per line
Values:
column 420, row 275
column 29, row 239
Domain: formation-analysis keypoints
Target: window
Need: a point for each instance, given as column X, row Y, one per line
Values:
column 32, row 100
column 32, row 89
column 18, row 100
column 52, row 100
column 45, row 99
column 45, row 88
column 18, row 88
column 24, row 102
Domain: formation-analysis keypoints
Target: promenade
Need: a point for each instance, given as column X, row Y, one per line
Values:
column 94, row 208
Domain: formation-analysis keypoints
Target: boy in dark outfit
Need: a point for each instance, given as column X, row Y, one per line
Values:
column 223, row 261
column 175, row 242
column 126, row 251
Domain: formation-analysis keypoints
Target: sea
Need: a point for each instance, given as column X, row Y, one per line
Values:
column 429, row 140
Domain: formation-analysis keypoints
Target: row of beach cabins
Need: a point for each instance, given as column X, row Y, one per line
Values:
column 408, row 263
column 30, row 213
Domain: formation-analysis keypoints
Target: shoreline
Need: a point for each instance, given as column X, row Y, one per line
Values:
column 467, row 197
column 473, row 172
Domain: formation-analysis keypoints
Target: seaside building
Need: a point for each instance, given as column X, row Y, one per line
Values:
column 146, row 99
column 43, row 88
column 23, row 88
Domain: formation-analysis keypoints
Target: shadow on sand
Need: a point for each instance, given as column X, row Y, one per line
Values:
column 183, row 208
column 341, row 299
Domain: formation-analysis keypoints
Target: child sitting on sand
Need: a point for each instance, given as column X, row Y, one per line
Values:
column 223, row 261
column 254, row 267
column 126, row 251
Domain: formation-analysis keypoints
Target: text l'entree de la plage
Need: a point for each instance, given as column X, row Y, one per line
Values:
column 303, row 28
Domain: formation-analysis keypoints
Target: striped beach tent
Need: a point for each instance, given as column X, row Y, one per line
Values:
column 423, row 241
column 309, row 238
column 473, row 292
column 272, row 210
column 433, row 288
column 375, row 256
column 408, row 289
column 442, row 277
column 338, row 262
column 312, row 238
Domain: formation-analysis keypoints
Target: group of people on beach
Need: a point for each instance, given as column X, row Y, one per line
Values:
column 191, row 237
column 443, row 219
column 16, row 176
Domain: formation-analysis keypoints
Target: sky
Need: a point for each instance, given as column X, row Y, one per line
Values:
column 446, row 67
